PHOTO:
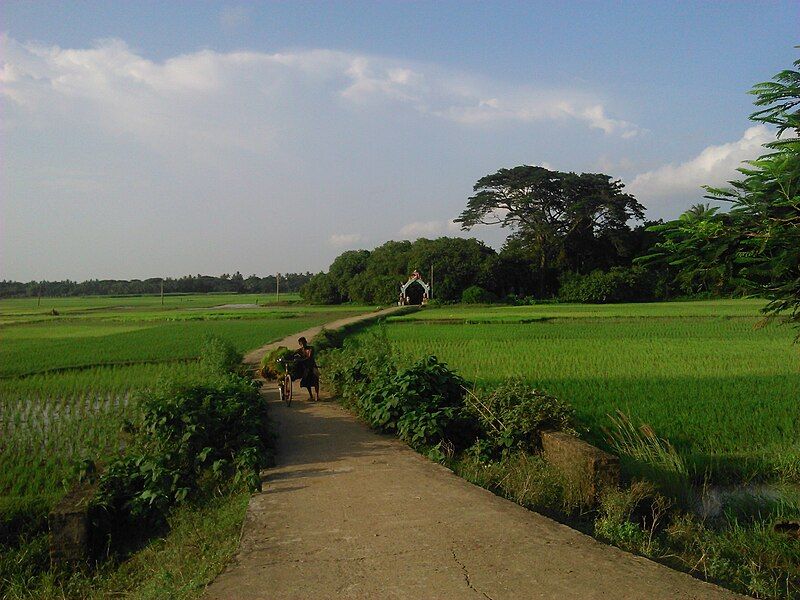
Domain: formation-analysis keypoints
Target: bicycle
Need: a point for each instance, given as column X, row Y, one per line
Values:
column 285, row 382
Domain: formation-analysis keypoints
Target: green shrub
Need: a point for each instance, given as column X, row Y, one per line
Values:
column 189, row 437
column 631, row 518
column 350, row 370
column 475, row 294
column 218, row 356
column 513, row 414
column 619, row 284
column 422, row 402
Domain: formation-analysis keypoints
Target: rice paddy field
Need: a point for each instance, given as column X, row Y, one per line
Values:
column 70, row 369
column 708, row 376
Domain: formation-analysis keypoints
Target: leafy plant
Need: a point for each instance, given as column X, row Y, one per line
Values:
column 513, row 414
column 189, row 437
column 756, row 245
column 618, row 284
column 477, row 295
column 218, row 355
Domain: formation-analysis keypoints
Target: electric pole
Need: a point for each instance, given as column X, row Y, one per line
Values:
column 278, row 288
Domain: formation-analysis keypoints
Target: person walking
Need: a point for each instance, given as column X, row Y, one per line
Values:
column 310, row 371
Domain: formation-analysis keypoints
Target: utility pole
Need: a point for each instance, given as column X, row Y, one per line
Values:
column 278, row 287
column 431, row 284
column 162, row 292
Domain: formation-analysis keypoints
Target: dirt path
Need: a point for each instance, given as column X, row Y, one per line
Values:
column 348, row 513
column 254, row 357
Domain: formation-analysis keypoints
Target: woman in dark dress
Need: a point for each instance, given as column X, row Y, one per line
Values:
column 309, row 370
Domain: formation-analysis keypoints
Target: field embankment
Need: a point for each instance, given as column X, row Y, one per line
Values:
column 705, row 428
column 71, row 371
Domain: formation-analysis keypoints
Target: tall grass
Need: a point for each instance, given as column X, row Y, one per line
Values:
column 721, row 391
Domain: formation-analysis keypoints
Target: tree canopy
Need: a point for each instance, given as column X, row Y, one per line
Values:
column 756, row 245
column 564, row 221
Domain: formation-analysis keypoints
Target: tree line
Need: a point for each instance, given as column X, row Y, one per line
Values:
column 236, row 283
column 573, row 236
column 583, row 238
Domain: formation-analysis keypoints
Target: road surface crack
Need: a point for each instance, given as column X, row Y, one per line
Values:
column 467, row 578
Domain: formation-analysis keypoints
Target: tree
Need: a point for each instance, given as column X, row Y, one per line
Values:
column 756, row 245
column 557, row 216
column 345, row 268
column 320, row 289
column 457, row 262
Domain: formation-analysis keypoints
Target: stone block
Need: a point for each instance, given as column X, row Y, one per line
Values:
column 587, row 469
column 70, row 527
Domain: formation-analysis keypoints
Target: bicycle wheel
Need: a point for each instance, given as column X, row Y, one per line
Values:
column 281, row 392
column 287, row 389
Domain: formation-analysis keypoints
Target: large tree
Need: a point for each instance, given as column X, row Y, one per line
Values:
column 756, row 245
column 458, row 263
column 559, row 217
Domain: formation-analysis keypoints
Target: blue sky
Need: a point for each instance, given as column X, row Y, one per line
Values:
column 150, row 138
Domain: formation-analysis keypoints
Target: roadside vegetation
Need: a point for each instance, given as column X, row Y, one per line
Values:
column 80, row 395
column 667, row 508
column 702, row 374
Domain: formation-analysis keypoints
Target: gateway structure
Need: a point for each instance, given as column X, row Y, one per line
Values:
column 414, row 291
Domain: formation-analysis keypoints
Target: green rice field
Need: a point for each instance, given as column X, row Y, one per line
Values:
column 68, row 380
column 709, row 376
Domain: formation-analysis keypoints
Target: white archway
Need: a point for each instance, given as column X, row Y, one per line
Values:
column 414, row 279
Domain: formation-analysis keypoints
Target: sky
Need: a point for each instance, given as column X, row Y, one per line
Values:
column 147, row 139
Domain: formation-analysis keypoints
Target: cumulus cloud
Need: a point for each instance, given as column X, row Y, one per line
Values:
column 428, row 228
column 142, row 96
column 168, row 161
column 342, row 240
column 715, row 165
column 531, row 107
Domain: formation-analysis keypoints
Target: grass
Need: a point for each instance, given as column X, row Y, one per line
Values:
column 67, row 385
column 202, row 539
column 704, row 376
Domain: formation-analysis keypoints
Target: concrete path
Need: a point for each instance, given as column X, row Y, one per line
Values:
column 348, row 513
column 254, row 357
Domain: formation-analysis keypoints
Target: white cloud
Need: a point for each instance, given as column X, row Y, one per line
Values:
column 530, row 107
column 202, row 96
column 428, row 228
column 715, row 165
column 341, row 240
column 244, row 160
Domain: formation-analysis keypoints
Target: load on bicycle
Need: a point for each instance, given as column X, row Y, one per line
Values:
column 284, row 366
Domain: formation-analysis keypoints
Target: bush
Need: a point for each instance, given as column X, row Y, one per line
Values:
column 190, row 437
column 632, row 517
column 477, row 295
column 619, row 284
column 218, row 356
column 513, row 414
column 321, row 289
column 422, row 403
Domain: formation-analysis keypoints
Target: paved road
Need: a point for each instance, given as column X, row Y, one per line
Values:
column 348, row 513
